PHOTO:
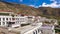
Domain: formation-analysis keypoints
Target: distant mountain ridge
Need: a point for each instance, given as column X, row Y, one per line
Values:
column 28, row 10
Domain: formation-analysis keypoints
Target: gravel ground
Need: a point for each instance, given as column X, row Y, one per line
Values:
column 4, row 30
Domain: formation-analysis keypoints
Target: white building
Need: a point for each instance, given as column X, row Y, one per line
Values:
column 21, row 19
column 29, row 29
column 52, row 21
column 47, row 29
column 30, row 19
column 42, row 19
column 9, row 19
column 33, row 28
column 4, row 20
column 5, row 17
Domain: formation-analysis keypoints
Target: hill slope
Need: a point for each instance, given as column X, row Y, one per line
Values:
column 26, row 10
column 22, row 9
column 50, row 12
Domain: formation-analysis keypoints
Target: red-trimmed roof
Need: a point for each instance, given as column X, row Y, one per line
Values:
column 6, row 11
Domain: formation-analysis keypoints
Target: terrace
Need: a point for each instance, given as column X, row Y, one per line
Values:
column 27, row 28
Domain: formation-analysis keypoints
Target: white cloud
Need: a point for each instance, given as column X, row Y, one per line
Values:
column 35, row 6
column 53, row 5
column 32, row 5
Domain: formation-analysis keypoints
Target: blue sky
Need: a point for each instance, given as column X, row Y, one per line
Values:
column 38, row 3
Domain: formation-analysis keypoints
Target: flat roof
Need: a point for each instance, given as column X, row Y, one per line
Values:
column 47, row 26
column 26, row 28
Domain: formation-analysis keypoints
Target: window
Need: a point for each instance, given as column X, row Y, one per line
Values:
column 0, row 23
column 36, row 32
column 3, row 23
column 13, row 22
column 3, row 19
column 41, row 31
column 6, row 18
column 0, row 19
column 13, row 18
column 22, row 19
column 18, row 18
column 10, row 18
column 18, row 21
column 33, row 32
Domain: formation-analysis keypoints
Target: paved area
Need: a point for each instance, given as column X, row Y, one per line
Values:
column 5, row 31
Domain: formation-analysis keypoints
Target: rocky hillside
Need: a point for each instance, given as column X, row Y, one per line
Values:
column 26, row 10
column 20, row 9
column 50, row 12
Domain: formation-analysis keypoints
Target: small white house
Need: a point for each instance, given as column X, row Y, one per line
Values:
column 47, row 29
column 30, row 19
